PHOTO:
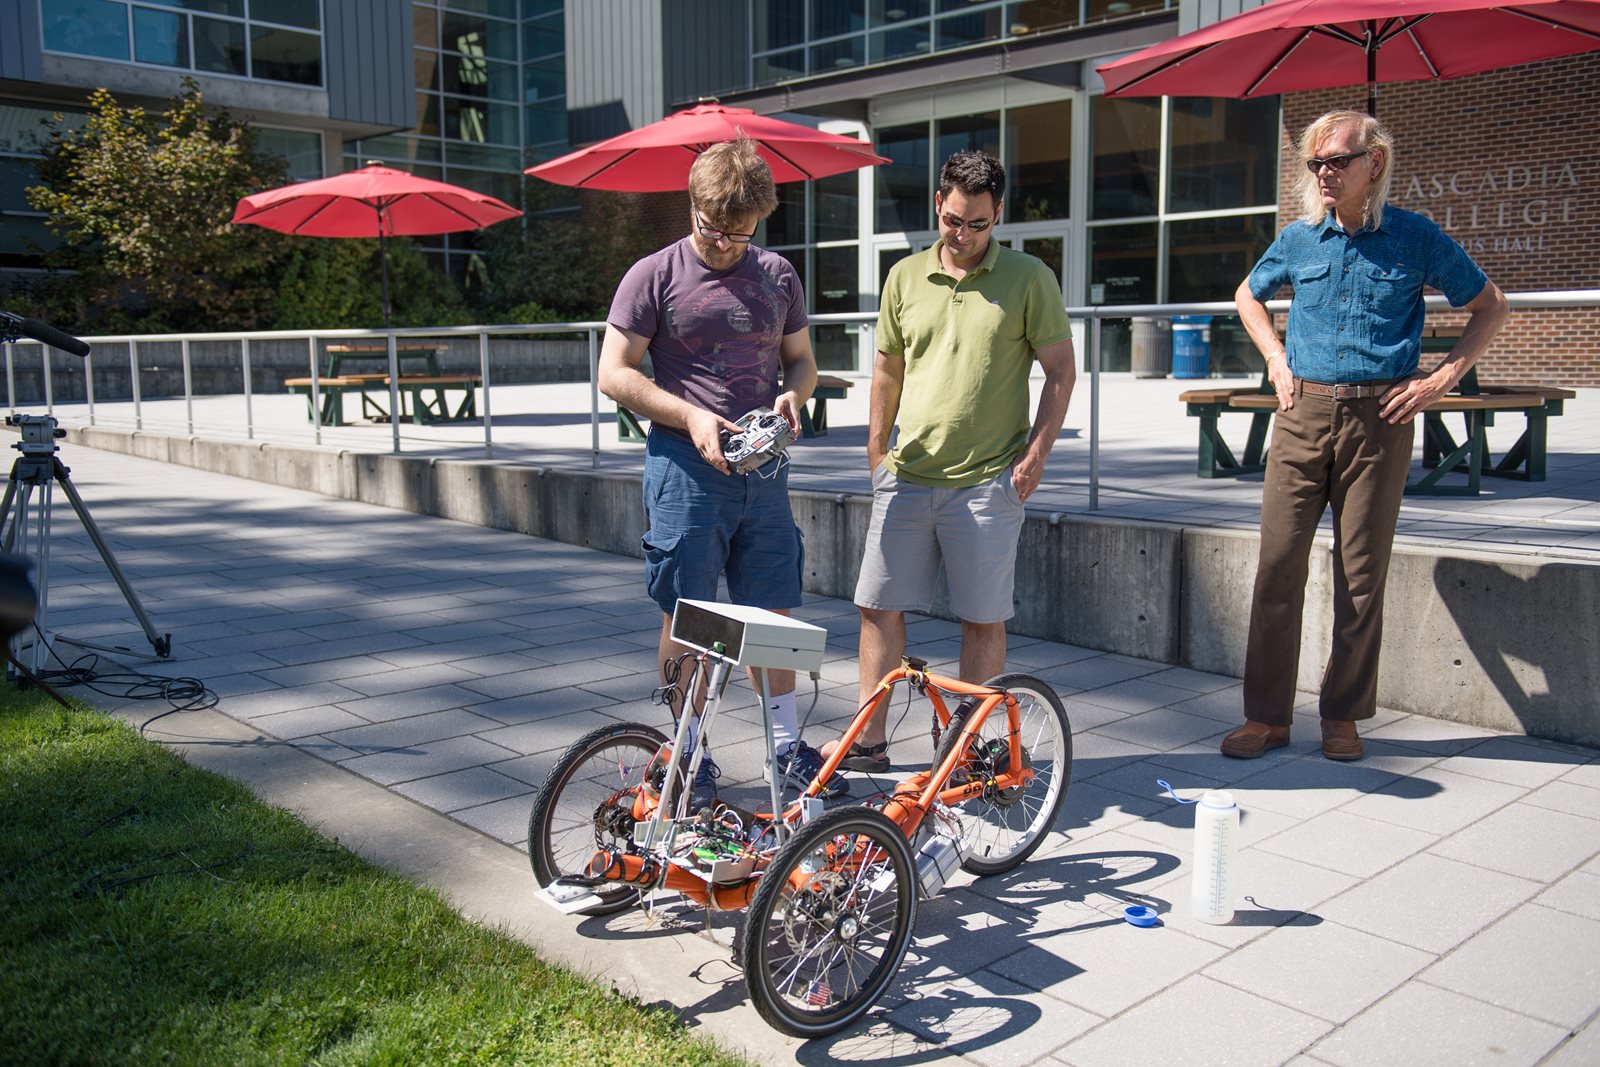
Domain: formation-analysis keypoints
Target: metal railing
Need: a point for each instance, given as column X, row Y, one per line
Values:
column 1092, row 317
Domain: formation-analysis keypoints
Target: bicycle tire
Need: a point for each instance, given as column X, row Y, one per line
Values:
column 1001, row 831
column 563, row 830
column 847, row 925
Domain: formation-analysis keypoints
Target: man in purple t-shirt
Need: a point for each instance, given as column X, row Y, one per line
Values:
column 722, row 322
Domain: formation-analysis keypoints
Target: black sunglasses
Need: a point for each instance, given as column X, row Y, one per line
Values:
column 716, row 235
column 1336, row 162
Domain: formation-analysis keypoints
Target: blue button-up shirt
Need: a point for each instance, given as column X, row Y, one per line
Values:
column 1357, row 310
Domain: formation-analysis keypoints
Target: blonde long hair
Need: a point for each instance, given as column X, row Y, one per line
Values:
column 1374, row 138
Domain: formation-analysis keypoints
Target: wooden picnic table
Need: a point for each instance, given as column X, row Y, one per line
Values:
column 425, row 399
column 1477, row 404
column 375, row 357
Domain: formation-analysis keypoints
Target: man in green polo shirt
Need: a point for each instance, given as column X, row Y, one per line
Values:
column 959, row 327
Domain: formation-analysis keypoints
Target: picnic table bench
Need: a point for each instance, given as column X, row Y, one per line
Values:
column 1442, row 454
column 424, row 398
column 813, row 416
column 424, row 392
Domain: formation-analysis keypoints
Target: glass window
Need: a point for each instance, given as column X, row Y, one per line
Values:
column 836, row 202
column 787, row 225
column 1207, row 258
column 837, row 286
column 428, row 114
column 219, row 46
column 545, row 79
column 887, row 258
column 286, row 56
column 1127, row 156
column 968, row 133
column 779, row 24
column 546, row 123
column 831, row 17
column 160, row 38
column 484, row 157
column 506, row 9
column 1036, row 15
column 1038, row 174
column 474, row 35
column 896, row 44
column 1122, row 264
column 887, row 12
column 1224, row 154
column 86, row 28
column 544, row 38
column 398, row 150
column 427, row 66
column 472, row 120
column 778, row 67
column 1122, row 270
column 956, row 31
column 301, row 149
column 476, row 76
column 838, row 55
column 535, row 8
column 305, row 14
column 1104, row 10
column 208, row 7
column 903, row 188
column 1049, row 250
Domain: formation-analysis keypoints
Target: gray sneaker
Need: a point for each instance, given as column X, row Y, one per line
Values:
column 798, row 764
column 704, row 793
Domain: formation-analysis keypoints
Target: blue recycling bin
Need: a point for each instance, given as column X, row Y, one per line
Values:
column 1191, row 346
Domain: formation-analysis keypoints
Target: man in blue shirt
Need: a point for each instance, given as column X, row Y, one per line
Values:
column 1348, row 388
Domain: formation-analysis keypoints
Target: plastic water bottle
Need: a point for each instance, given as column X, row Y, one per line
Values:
column 1216, row 841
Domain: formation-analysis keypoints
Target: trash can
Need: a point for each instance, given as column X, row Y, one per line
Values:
column 1191, row 346
column 1152, row 348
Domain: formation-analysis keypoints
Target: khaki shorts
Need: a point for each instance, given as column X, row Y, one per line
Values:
column 972, row 533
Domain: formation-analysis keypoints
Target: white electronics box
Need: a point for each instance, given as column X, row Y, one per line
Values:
column 751, row 637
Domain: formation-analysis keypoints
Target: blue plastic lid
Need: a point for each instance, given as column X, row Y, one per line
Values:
column 1139, row 915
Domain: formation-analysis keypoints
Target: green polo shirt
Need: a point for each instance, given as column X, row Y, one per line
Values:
column 968, row 347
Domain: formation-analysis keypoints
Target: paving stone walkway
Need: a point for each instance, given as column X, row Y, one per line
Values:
column 405, row 682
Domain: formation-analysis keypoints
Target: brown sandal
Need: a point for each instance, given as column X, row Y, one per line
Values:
column 868, row 759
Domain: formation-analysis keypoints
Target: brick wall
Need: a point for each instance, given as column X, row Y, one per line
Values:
column 1508, row 163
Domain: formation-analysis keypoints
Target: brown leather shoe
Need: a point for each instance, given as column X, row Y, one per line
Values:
column 1340, row 741
column 1253, row 739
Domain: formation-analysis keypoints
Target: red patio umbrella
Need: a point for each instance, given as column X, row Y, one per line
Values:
column 656, row 158
column 1292, row 45
column 375, row 201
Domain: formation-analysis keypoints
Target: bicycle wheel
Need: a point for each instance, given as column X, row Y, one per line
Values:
column 1003, row 827
column 830, row 922
column 585, row 804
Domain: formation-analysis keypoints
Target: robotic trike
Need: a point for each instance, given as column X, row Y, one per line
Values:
column 831, row 892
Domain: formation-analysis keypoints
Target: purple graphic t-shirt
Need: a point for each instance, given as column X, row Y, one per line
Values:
column 714, row 334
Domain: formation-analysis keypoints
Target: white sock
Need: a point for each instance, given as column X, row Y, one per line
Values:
column 785, row 725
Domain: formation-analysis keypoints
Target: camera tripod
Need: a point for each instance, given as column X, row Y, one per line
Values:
column 39, row 468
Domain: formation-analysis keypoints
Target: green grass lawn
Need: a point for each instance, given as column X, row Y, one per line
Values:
column 157, row 913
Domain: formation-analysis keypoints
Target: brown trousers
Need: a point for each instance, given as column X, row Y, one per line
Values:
column 1325, row 451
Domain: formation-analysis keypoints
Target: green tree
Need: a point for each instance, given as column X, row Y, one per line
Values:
column 142, row 203
column 563, row 264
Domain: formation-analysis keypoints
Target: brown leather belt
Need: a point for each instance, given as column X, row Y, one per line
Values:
column 1345, row 391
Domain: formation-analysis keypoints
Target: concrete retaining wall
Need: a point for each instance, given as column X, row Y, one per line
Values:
column 1510, row 643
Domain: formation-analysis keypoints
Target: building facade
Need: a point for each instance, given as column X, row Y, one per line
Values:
column 1128, row 200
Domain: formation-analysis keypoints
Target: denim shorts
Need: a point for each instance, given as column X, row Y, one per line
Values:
column 702, row 522
column 915, row 530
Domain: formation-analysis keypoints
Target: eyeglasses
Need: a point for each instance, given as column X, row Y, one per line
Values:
column 1336, row 163
column 972, row 225
column 717, row 235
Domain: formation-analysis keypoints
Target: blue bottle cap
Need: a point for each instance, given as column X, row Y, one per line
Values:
column 1139, row 915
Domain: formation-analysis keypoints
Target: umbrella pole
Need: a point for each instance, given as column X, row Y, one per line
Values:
column 383, row 256
column 1372, row 74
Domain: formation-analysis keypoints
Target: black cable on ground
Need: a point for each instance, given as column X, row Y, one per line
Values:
column 182, row 693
